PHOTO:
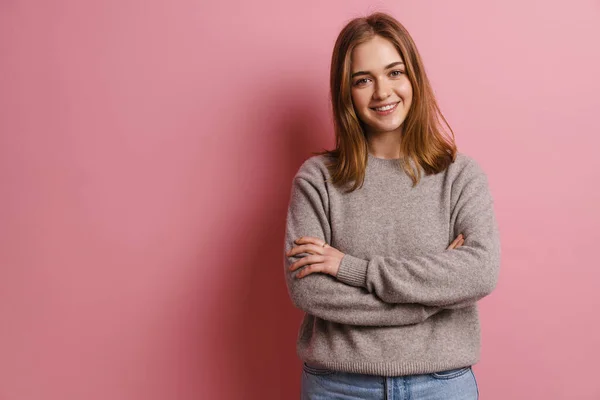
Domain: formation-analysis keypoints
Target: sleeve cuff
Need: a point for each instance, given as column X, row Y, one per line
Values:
column 353, row 271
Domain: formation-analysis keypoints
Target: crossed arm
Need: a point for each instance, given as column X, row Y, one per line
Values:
column 396, row 291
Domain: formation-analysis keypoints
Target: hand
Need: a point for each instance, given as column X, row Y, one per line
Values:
column 323, row 259
column 460, row 239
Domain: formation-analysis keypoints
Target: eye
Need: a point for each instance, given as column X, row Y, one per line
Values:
column 360, row 81
column 400, row 72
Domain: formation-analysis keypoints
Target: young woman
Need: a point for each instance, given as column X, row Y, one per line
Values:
column 391, row 238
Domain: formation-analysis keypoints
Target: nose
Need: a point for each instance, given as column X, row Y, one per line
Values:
column 381, row 91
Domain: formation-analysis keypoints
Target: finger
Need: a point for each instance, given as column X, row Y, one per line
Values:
column 455, row 241
column 306, row 260
column 310, row 239
column 311, row 269
column 453, row 244
column 459, row 243
column 306, row 248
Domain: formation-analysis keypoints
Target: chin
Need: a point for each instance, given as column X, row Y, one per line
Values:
column 386, row 128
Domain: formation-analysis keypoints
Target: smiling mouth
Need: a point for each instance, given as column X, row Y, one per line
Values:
column 386, row 107
column 386, row 110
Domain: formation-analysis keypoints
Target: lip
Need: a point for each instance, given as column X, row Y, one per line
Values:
column 387, row 112
column 383, row 105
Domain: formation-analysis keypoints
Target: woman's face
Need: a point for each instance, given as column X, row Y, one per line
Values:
column 378, row 79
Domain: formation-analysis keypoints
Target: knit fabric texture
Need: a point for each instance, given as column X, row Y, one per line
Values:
column 401, row 303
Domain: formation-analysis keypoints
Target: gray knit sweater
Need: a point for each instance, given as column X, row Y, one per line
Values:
column 401, row 303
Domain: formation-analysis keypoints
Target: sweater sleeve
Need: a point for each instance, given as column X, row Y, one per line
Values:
column 452, row 278
column 323, row 295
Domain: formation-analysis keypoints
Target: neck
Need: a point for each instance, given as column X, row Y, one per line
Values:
column 385, row 144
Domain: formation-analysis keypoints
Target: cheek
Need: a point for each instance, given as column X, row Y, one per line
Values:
column 405, row 88
column 358, row 100
column 409, row 90
column 355, row 96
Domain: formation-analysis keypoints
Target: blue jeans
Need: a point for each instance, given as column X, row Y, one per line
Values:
column 323, row 384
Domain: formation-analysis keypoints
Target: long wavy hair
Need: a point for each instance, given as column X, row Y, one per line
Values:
column 423, row 140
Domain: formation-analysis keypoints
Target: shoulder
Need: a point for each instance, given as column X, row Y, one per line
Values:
column 314, row 169
column 466, row 175
column 465, row 167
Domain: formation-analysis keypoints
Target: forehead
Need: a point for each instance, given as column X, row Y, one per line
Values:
column 374, row 54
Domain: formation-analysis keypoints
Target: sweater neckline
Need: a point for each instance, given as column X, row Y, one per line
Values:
column 383, row 161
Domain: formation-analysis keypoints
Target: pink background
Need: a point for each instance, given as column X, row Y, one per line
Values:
column 146, row 156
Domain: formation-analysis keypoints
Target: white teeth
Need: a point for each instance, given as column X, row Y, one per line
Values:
column 386, row 107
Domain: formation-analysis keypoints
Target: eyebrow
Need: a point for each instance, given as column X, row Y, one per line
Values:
column 367, row 72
